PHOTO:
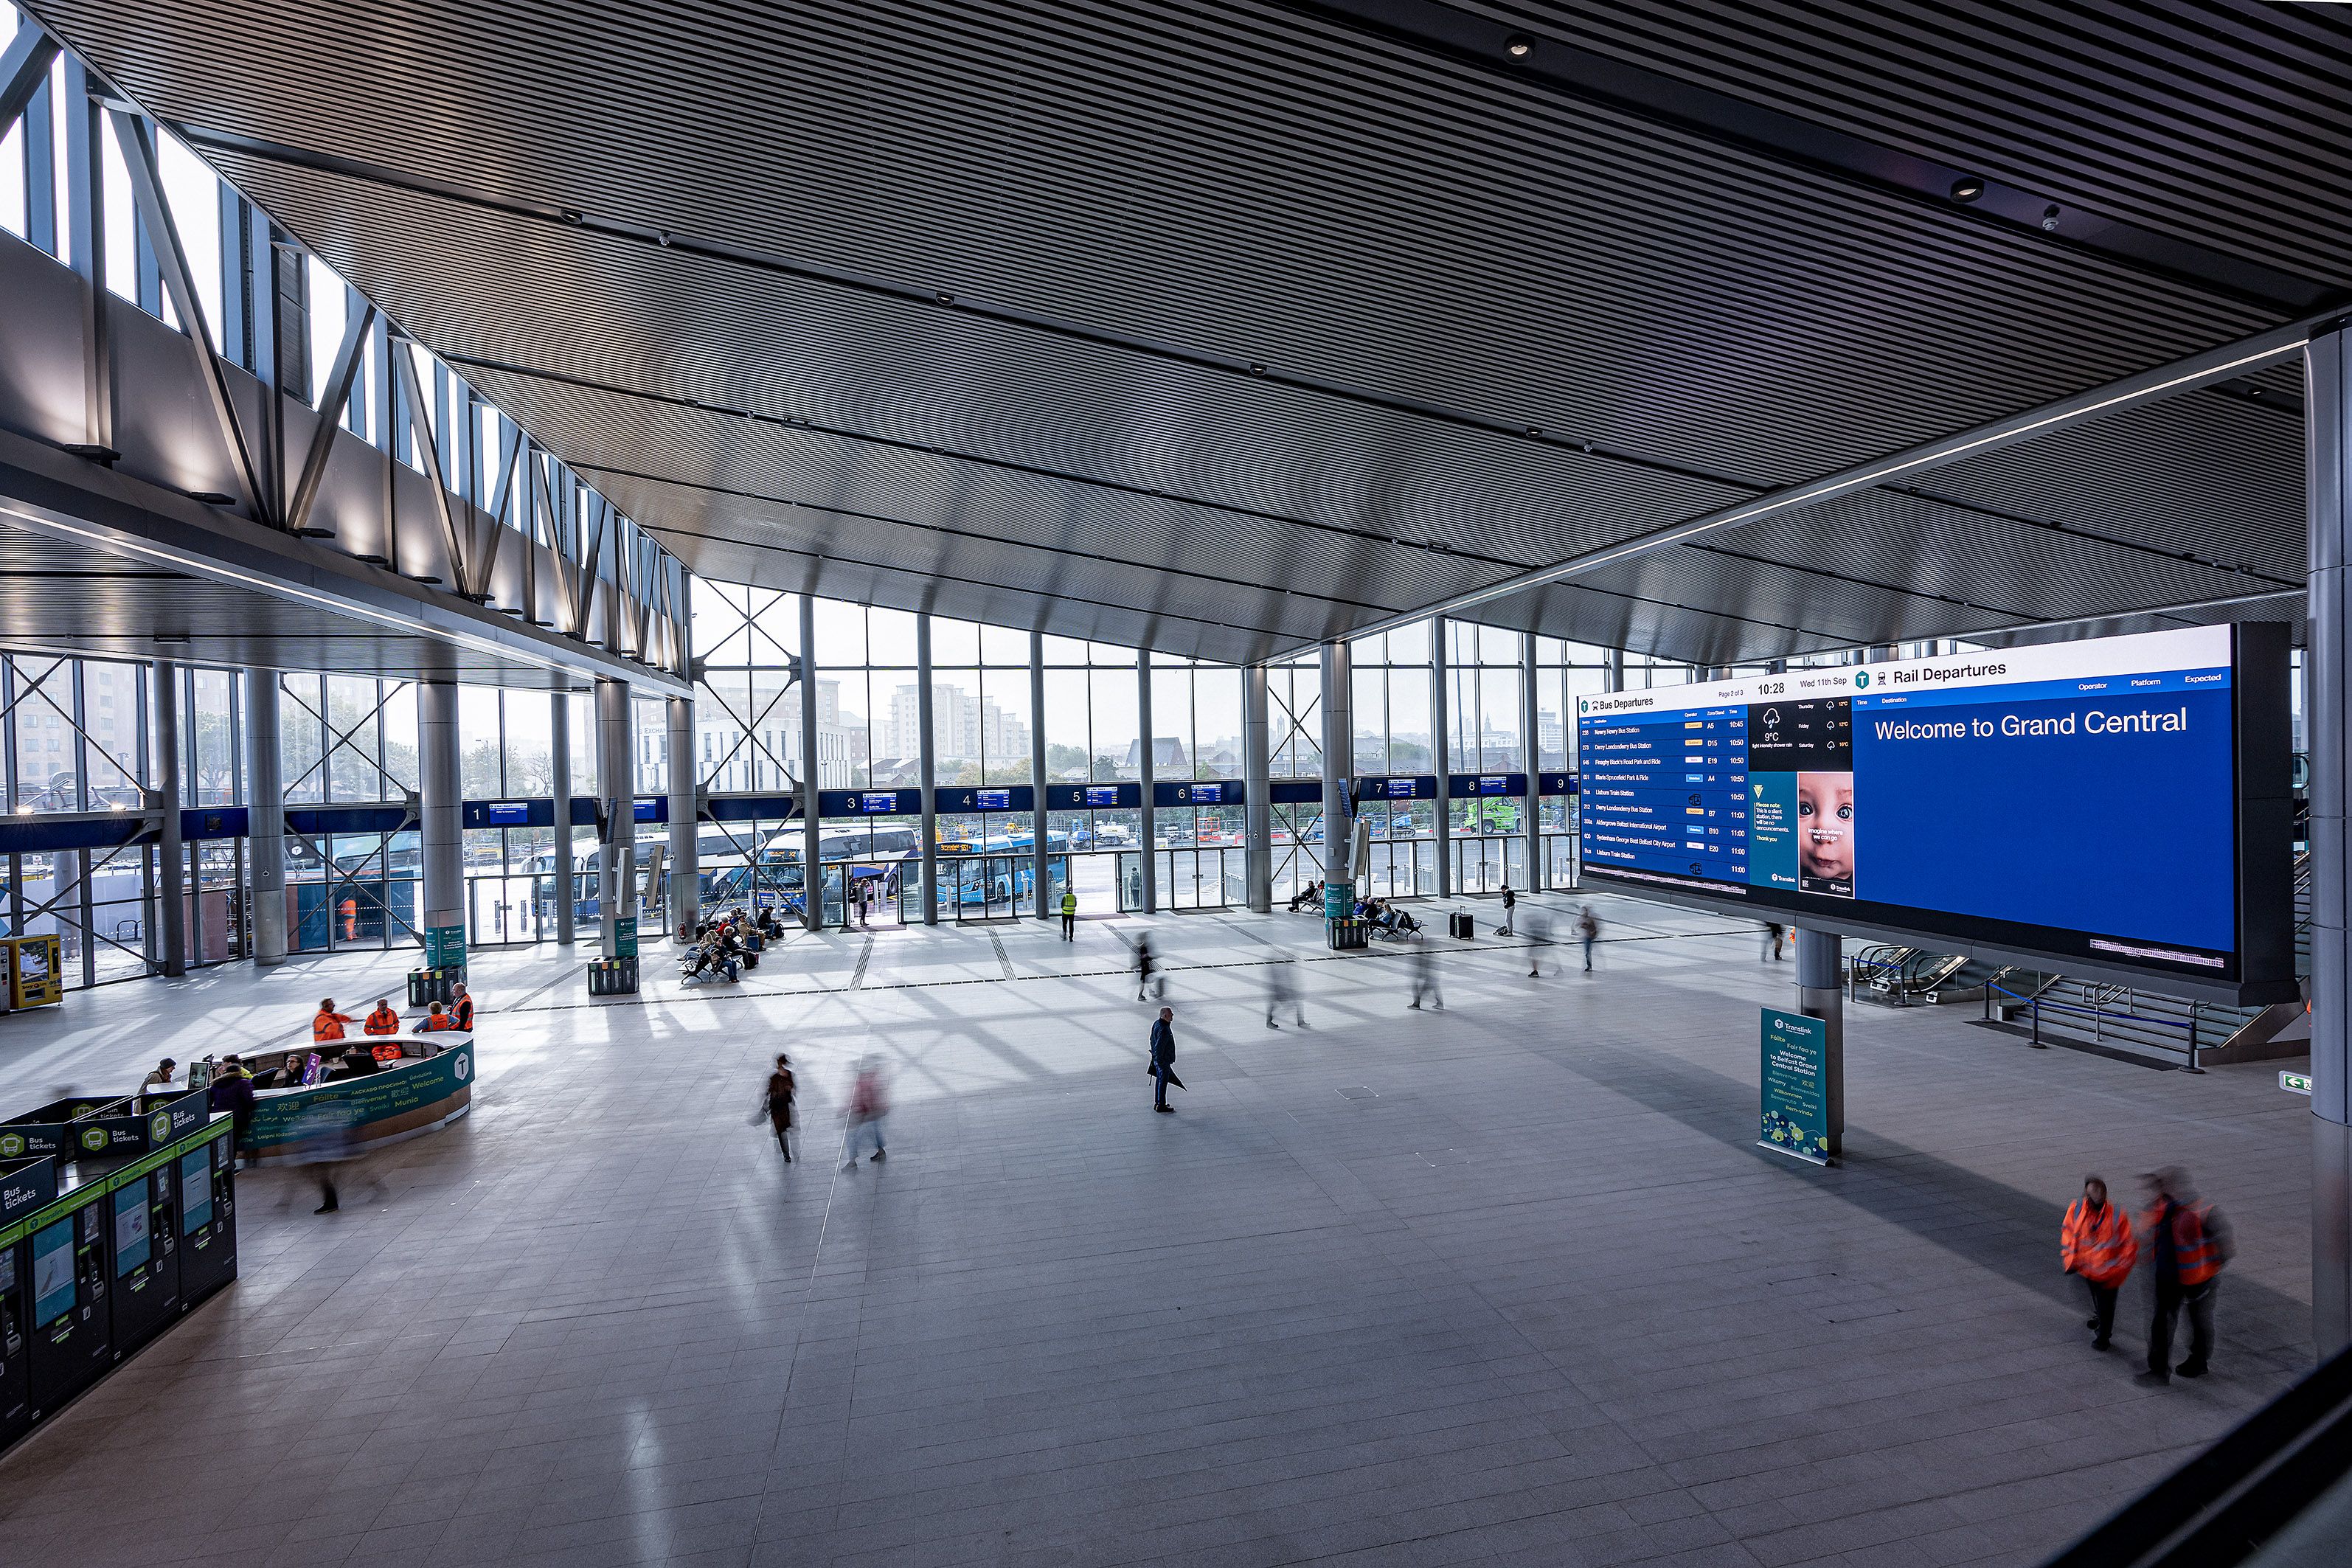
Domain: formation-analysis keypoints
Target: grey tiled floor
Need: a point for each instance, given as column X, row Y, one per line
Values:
column 1505, row 1283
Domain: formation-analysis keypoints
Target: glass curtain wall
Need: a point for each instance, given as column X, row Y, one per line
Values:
column 1565, row 672
column 350, row 741
column 1484, row 669
column 1196, row 712
column 1394, row 721
column 870, row 865
column 980, row 722
column 1093, row 737
column 748, row 741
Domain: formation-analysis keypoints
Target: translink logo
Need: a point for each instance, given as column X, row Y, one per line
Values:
column 1861, row 679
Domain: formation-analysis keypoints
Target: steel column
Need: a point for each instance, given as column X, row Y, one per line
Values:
column 811, row 903
column 441, row 824
column 265, row 818
column 1258, row 791
column 1339, row 765
column 1820, row 996
column 174, row 883
column 1149, row 774
column 616, row 851
column 1048, row 899
column 567, row 892
column 1441, row 750
column 927, row 755
column 685, row 822
column 2328, row 688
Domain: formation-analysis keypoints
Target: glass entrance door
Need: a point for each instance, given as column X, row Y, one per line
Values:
column 1198, row 880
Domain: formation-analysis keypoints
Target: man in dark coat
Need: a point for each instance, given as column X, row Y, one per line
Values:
column 1163, row 1058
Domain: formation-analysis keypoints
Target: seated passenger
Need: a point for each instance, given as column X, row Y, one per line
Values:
column 288, row 1074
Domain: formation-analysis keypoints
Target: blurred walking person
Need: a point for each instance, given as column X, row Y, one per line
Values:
column 1163, row 1066
column 1588, row 931
column 1424, row 980
column 1538, row 939
column 1775, row 933
column 780, row 1103
column 2095, row 1243
column 2189, row 1245
column 868, row 1104
column 1282, row 991
column 1146, row 975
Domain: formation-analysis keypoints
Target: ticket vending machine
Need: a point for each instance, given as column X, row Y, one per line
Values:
column 70, row 1336
column 144, row 1232
column 207, row 1220
column 26, row 1187
column 16, row 1374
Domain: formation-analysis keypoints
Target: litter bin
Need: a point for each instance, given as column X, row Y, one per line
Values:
column 427, row 986
column 613, row 977
column 1350, row 935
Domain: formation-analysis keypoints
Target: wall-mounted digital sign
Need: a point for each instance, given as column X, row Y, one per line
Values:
column 648, row 810
column 993, row 799
column 1099, row 795
column 1406, row 786
column 2121, row 802
column 508, row 812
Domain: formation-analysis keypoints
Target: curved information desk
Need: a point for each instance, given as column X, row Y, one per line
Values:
column 416, row 1095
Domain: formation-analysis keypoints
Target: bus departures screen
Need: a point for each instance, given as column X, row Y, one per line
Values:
column 2080, row 799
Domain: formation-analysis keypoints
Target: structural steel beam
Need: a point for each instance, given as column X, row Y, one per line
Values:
column 23, row 67
column 2222, row 363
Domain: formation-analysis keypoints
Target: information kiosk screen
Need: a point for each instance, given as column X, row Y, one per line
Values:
column 2081, row 799
column 196, row 1191
column 53, row 1273
column 130, row 1246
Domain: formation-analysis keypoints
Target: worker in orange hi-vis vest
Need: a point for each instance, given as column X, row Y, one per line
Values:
column 2188, row 1246
column 350, row 920
column 328, row 1024
column 2096, row 1244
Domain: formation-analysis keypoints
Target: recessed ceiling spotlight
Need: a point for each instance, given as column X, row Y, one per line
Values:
column 1519, row 45
column 2050, row 217
column 946, row 297
column 1967, row 188
column 1257, row 369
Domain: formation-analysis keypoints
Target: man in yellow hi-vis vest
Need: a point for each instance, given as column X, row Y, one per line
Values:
column 1069, row 914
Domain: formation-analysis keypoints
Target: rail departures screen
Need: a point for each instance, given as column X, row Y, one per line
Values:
column 2086, row 801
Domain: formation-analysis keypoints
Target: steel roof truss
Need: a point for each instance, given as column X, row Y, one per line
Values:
column 347, row 357
column 171, row 259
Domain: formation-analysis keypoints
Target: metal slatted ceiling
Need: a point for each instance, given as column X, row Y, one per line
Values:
column 1217, row 177
column 870, row 502
column 1267, row 188
column 2219, row 120
column 67, row 597
column 2210, row 476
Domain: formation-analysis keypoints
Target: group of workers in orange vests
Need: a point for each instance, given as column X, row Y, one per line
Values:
column 2188, row 1244
column 327, row 1025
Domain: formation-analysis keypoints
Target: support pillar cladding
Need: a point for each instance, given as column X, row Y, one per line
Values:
column 172, row 889
column 1338, row 766
column 616, row 852
column 685, row 822
column 1441, row 752
column 567, row 890
column 1532, row 758
column 926, row 751
column 1148, row 817
column 1049, row 896
column 265, row 817
column 811, row 779
column 2328, row 692
column 441, row 824
column 1820, row 996
column 1257, row 792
